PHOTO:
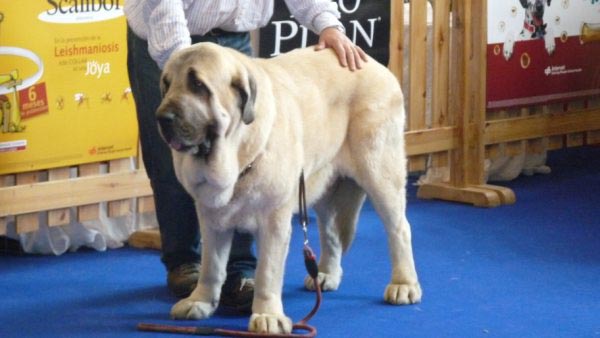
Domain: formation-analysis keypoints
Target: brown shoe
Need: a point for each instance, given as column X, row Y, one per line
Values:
column 238, row 294
column 183, row 279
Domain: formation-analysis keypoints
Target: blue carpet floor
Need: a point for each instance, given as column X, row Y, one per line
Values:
column 527, row 270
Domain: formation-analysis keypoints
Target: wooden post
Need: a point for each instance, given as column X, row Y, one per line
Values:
column 396, row 38
column 3, row 221
column 440, row 73
column 122, row 207
column 59, row 216
column 417, row 74
column 30, row 221
column 88, row 212
column 467, row 109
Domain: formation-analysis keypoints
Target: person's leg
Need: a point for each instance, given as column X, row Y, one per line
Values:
column 178, row 223
column 175, row 211
column 238, row 289
column 242, row 261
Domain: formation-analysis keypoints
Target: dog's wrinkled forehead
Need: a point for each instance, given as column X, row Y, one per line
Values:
column 201, row 62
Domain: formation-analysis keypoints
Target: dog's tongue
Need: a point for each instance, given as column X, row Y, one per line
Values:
column 176, row 144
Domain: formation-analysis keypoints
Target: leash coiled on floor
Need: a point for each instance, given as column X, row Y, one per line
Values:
column 302, row 325
column 310, row 262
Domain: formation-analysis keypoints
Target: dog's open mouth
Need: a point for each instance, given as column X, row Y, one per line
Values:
column 181, row 137
column 203, row 149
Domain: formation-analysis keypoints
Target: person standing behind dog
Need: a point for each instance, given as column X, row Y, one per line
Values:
column 156, row 29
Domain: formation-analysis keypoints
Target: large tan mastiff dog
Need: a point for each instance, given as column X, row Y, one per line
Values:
column 243, row 129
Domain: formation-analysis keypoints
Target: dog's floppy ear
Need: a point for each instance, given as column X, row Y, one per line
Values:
column 549, row 3
column 246, row 87
column 523, row 3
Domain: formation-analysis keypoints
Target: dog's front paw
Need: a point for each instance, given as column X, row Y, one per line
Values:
column 399, row 294
column 328, row 282
column 270, row 323
column 190, row 309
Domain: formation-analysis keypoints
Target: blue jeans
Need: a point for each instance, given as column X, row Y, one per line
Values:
column 175, row 210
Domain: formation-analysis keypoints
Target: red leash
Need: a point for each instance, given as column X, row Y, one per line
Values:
column 310, row 261
column 310, row 331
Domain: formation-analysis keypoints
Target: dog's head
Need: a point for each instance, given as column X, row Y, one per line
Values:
column 208, row 95
column 536, row 7
column 204, row 93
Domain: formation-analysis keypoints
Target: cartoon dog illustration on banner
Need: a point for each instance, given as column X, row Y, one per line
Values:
column 534, row 27
column 551, row 21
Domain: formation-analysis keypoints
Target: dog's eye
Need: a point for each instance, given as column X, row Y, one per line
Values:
column 165, row 86
column 196, row 85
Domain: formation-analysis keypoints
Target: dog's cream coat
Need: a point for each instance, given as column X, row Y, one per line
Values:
column 243, row 129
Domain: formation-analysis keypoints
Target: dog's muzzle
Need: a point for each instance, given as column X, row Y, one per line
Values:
column 182, row 137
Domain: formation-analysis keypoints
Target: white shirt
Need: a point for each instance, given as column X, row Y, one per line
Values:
column 168, row 24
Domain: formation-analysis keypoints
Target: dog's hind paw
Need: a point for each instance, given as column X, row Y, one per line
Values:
column 399, row 294
column 270, row 323
column 328, row 282
column 190, row 309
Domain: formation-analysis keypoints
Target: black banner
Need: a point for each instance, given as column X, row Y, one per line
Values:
column 367, row 24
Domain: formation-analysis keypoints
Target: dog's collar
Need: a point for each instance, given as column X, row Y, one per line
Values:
column 532, row 24
column 529, row 27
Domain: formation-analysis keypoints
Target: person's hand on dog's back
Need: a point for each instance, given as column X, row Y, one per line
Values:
column 349, row 54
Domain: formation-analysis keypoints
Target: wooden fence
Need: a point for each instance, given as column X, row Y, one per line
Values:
column 51, row 194
column 459, row 135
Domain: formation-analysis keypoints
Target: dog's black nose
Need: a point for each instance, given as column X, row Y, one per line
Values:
column 165, row 125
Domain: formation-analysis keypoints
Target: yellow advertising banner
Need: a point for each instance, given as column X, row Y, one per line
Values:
column 64, row 92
